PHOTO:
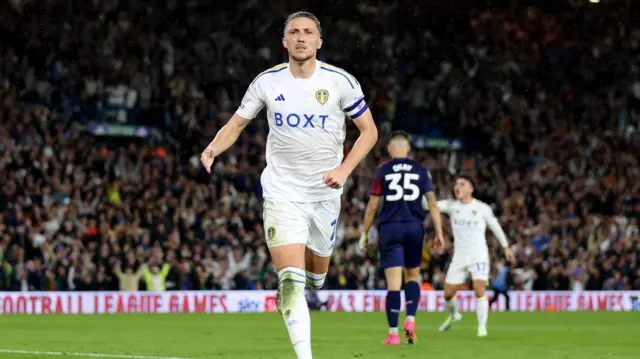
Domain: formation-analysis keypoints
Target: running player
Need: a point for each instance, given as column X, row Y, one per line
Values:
column 306, row 102
column 469, row 220
column 401, row 183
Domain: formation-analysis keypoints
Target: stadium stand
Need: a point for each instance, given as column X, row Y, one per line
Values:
column 107, row 104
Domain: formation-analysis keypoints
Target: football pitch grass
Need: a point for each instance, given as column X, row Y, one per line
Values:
column 582, row 335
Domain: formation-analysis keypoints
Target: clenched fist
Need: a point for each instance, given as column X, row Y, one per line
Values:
column 335, row 178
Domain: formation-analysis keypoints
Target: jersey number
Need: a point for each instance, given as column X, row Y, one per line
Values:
column 408, row 186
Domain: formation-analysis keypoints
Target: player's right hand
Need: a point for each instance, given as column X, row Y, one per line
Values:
column 363, row 240
column 438, row 242
column 206, row 158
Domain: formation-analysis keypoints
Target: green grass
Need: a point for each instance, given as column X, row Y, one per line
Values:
column 582, row 335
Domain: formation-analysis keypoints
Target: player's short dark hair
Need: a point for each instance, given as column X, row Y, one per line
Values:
column 468, row 178
column 306, row 14
column 398, row 134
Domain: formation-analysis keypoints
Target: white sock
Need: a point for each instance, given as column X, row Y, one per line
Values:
column 315, row 281
column 411, row 318
column 482, row 311
column 295, row 310
column 452, row 305
column 303, row 350
column 393, row 330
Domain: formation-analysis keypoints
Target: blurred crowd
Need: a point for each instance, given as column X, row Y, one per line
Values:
column 545, row 101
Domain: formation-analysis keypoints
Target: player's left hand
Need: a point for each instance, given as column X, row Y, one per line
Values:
column 509, row 254
column 335, row 178
column 364, row 238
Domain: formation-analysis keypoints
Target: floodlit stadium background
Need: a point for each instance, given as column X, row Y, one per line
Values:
column 106, row 106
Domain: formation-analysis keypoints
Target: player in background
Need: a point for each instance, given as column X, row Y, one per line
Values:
column 401, row 184
column 469, row 220
column 306, row 102
column 502, row 283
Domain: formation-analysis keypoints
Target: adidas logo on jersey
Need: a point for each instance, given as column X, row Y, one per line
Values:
column 280, row 98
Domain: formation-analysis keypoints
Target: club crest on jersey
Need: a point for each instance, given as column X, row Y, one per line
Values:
column 474, row 212
column 271, row 232
column 322, row 96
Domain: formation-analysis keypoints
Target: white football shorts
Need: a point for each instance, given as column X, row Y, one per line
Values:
column 459, row 270
column 311, row 223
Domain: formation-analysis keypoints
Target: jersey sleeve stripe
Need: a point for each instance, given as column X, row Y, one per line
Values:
column 276, row 68
column 339, row 73
column 358, row 113
column 353, row 107
column 342, row 71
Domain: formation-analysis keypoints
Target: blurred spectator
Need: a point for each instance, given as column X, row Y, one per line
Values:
column 524, row 277
column 129, row 280
column 156, row 277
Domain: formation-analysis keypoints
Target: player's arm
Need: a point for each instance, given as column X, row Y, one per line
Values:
column 354, row 106
column 370, row 212
column 367, row 139
column 436, row 216
column 496, row 229
column 251, row 105
column 443, row 206
column 434, row 210
column 372, row 207
column 225, row 138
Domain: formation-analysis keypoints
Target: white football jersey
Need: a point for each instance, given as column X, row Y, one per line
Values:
column 307, row 128
column 469, row 224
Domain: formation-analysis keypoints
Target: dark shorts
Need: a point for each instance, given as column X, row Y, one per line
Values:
column 401, row 244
